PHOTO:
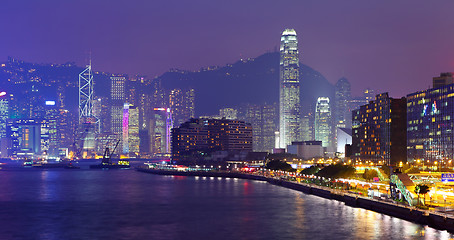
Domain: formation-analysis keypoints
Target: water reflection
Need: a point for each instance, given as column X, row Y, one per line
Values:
column 132, row 205
column 48, row 191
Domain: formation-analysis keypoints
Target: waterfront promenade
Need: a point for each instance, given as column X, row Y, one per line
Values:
column 436, row 219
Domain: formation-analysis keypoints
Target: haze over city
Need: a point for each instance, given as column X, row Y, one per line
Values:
column 379, row 44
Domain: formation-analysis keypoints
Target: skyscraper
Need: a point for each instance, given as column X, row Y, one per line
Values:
column 4, row 114
column 379, row 132
column 341, row 101
column 117, row 98
column 159, row 129
column 289, row 92
column 307, row 127
column 131, row 140
column 228, row 113
column 323, row 121
column 181, row 103
column 263, row 121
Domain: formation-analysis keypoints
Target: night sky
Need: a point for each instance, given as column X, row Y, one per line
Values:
column 388, row 45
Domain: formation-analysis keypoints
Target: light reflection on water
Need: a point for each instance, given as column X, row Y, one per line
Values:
column 125, row 204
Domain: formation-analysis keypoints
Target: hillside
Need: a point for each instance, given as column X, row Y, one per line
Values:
column 247, row 81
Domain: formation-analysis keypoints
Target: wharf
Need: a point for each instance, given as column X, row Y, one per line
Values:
column 433, row 219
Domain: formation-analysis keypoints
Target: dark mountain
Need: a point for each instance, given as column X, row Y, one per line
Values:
column 246, row 81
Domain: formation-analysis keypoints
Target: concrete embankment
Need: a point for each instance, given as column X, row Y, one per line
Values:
column 435, row 220
column 389, row 208
column 204, row 174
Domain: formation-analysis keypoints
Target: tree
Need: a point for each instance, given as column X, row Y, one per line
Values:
column 369, row 174
column 422, row 189
column 310, row 171
column 418, row 190
column 337, row 171
column 386, row 170
column 279, row 165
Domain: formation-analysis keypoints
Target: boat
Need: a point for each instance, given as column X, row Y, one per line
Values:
column 45, row 164
column 107, row 162
column 71, row 166
column 48, row 165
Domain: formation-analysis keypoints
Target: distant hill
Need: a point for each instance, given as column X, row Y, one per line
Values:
column 246, row 81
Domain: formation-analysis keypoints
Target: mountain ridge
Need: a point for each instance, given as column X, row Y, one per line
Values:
column 255, row 80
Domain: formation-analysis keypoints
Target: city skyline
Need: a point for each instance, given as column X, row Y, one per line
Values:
column 349, row 39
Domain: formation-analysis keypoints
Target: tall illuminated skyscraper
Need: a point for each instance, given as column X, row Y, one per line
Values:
column 117, row 100
column 131, row 140
column 289, row 93
column 4, row 114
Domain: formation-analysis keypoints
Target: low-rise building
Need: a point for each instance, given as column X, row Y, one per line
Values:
column 199, row 137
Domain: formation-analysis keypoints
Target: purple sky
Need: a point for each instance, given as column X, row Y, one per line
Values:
column 388, row 45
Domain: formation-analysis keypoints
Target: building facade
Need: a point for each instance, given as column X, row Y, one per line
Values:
column 198, row 137
column 342, row 99
column 29, row 138
column 228, row 113
column 181, row 103
column 289, row 92
column 159, row 128
column 117, row 100
column 4, row 115
column 322, row 125
column 379, row 131
column 131, row 140
column 262, row 119
column 430, row 125
column 344, row 137
column 444, row 79
column 307, row 149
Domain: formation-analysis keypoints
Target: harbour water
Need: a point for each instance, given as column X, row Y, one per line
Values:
column 126, row 204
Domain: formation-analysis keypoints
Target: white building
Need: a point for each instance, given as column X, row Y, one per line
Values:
column 344, row 136
column 306, row 150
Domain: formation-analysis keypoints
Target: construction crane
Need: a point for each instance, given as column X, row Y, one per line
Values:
column 106, row 158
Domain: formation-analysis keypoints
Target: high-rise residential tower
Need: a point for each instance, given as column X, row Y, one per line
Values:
column 181, row 103
column 289, row 89
column 379, row 131
column 263, row 120
column 323, row 121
